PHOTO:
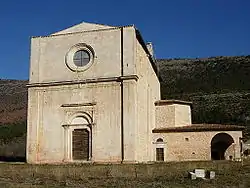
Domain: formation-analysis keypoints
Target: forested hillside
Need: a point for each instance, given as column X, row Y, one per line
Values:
column 219, row 87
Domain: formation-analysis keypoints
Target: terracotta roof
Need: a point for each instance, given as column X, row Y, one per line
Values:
column 169, row 102
column 199, row 128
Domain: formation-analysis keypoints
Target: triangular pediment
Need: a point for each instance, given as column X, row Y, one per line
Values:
column 84, row 26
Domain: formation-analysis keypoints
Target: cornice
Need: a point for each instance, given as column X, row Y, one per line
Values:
column 86, row 81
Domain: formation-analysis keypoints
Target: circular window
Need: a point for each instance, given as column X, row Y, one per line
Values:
column 80, row 57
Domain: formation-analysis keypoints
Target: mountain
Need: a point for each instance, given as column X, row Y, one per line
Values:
column 13, row 101
column 219, row 88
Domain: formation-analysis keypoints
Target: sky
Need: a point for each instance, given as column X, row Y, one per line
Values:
column 177, row 28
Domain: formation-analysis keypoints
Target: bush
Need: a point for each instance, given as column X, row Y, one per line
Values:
column 9, row 132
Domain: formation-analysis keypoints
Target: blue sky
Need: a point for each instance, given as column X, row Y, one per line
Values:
column 177, row 28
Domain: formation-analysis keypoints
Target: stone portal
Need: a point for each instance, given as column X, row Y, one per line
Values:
column 219, row 144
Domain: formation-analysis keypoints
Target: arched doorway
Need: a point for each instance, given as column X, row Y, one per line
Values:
column 159, row 150
column 219, row 144
column 78, row 138
column 81, row 138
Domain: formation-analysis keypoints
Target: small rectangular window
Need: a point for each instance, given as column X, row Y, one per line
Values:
column 159, row 154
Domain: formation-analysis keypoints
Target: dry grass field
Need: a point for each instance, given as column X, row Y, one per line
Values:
column 174, row 174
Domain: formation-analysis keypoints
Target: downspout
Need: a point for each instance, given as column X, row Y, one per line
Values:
column 122, row 115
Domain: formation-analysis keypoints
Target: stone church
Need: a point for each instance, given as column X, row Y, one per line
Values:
column 94, row 96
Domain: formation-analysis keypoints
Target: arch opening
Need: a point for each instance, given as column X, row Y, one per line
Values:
column 159, row 140
column 80, row 137
column 219, row 145
column 159, row 149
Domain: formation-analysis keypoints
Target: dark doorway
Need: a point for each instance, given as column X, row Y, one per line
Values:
column 80, row 145
column 159, row 154
column 219, row 145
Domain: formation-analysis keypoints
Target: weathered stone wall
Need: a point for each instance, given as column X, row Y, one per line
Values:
column 48, row 55
column 50, row 110
column 130, row 120
column 173, row 115
column 47, row 138
column 193, row 145
column 148, row 91
column 45, row 129
column 165, row 116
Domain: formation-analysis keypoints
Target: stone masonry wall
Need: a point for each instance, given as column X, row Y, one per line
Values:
column 173, row 115
column 193, row 145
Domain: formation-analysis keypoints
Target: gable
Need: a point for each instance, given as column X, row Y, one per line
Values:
column 84, row 26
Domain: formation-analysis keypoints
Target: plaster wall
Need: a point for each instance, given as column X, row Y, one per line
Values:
column 148, row 91
column 130, row 120
column 191, row 146
column 173, row 115
column 47, row 139
column 165, row 116
column 182, row 115
column 46, row 134
column 48, row 55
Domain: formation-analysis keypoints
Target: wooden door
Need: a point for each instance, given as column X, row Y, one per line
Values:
column 80, row 145
column 159, row 154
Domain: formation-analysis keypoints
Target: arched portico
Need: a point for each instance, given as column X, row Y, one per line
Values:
column 219, row 145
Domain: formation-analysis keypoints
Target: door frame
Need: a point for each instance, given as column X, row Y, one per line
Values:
column 68, row 154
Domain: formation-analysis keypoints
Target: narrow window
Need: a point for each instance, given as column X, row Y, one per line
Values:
column 159, row 154
column 159, row 140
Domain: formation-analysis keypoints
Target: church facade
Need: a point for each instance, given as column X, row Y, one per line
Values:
column 94, row 96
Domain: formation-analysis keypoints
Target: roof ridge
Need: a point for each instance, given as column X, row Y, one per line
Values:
column 71, row 33
column 98, row 24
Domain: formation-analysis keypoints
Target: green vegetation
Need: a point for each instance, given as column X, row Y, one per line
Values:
column 13, row 142
column 8, row 132
column 219, row 87
column 211, row 75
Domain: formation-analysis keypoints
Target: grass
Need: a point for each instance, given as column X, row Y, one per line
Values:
column 173, row 174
